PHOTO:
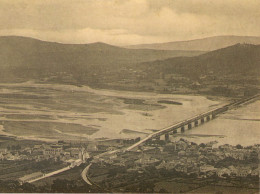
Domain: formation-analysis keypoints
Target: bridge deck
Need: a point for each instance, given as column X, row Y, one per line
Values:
column 192, row 119
column 172, row 127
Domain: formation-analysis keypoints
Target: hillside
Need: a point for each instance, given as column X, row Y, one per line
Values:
column 237, row 59
column 232, row 71
column 204, row 44
column 105, row 66
column 32, row 58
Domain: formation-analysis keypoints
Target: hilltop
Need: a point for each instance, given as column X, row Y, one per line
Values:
column 239, row 58
column 228, row 71
column 204, row 44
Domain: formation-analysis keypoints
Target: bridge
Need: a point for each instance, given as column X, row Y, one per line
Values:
column 203, row 117
column 192, row 122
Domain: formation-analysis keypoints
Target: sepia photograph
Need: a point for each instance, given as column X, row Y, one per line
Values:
column 130, row 96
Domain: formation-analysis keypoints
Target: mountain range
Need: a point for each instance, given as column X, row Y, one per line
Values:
column 204, row 44
column 26, row 58
column 14, row 51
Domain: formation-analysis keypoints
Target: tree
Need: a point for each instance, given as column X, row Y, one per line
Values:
column 146, row 187
column 162, row 190
column 202, row 145
column 60, row 186
column 238, row 146
column 28, row 188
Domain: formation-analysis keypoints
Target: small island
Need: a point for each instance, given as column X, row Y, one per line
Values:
column 169, row 102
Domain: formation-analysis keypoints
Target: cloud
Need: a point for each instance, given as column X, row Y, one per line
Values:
column 128, row 21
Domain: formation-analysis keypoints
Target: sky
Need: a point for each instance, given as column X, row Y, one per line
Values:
column 128, row 22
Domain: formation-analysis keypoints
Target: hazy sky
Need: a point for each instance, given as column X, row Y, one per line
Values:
column 128, row 21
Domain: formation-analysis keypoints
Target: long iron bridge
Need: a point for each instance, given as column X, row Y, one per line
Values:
column 192, row 122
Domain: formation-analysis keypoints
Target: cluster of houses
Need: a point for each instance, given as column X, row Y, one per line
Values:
column 70, row 155
column 202, row 160
column 5, row 154
column 57, row 151
column 63, row 150
column 206, row 170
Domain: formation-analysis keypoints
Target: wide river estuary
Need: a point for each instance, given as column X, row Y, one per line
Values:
column 52, row 111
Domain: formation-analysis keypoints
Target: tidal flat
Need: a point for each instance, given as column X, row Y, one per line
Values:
column 55, row 111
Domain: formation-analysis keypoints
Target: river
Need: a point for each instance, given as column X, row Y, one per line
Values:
column 54, row 111
column 238, row 126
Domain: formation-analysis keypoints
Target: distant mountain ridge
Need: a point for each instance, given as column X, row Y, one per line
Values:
column 28, row 57
column 19, row 49
column 103, row 65
column 204, row 44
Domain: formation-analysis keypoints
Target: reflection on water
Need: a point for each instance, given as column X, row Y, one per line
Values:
column 239, row 126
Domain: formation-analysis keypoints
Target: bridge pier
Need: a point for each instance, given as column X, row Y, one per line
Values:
column 183, row 129
column 167, row 137
column 202, row 120
column 189, row 126
column 207, row 116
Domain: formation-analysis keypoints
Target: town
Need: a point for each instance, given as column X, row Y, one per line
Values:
column 153, row 161
column 139, row 165
column 28, row 163
column 158, row 159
